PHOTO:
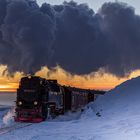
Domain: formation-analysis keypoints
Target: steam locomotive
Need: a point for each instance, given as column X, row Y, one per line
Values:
column 39, row 99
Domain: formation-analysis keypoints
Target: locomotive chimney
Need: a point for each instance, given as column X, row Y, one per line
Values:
column 30, row 74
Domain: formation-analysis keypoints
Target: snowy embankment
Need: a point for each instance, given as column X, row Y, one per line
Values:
column 119, row 120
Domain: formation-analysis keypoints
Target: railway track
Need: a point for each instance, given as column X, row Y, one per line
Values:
column 7, row 129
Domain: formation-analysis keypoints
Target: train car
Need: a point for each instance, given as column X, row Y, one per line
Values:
column 77, row 98
column 39, row 99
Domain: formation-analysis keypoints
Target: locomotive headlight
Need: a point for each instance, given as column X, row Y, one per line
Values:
column 19, row 103
column 35, row 102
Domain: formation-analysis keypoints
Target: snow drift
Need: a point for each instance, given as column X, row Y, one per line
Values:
column 124, row 99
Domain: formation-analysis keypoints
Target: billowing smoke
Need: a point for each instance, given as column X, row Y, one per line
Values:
column 121, row 26
column 27, row 33
column 70, row 35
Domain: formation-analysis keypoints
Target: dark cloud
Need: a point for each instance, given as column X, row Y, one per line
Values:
column 70, row 35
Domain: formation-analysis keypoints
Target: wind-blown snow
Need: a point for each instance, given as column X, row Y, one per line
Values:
column 119, row 112
column 8, row 117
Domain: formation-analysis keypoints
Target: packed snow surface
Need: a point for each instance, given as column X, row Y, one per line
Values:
column 114, row 116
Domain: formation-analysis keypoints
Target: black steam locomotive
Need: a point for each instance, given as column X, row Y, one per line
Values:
column 38, row 99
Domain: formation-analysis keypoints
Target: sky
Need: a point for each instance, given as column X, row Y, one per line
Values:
column 101, row 81
column 96, row 4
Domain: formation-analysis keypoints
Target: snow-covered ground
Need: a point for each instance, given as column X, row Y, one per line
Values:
column 119, row 119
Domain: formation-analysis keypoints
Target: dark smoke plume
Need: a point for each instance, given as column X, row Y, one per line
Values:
column 70, row 35
column 27, row 33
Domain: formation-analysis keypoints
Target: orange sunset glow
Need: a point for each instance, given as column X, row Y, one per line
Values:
column 99, row 81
